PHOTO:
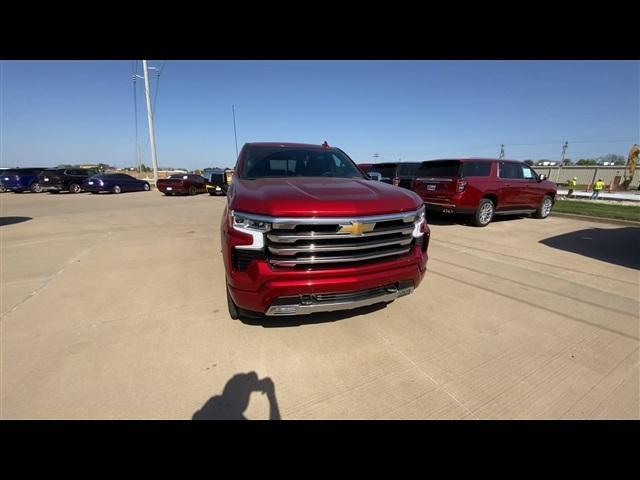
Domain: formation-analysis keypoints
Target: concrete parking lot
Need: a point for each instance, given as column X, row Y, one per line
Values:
column 113, row 307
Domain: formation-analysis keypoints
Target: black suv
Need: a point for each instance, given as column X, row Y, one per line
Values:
column 400, row 174
column 61, row 179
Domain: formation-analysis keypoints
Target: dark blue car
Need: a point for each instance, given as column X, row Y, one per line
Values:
column 21, row 179
column 114, row 183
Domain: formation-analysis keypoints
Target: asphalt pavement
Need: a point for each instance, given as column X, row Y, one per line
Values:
column 113, row 307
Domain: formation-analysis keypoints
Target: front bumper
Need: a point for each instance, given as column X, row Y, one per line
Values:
column 314, row 303
column 262, row 287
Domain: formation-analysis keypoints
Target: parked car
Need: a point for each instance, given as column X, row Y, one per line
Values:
column 57, row 180
column 400, row 174
column 305, row 230
column 406, row 173
column 217, row 182
column 20, row 180
column 483, row 188
column 368, row 169
column 182, row 184
column 114, row 183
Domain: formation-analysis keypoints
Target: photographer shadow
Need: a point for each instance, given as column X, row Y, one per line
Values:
column 235, row 399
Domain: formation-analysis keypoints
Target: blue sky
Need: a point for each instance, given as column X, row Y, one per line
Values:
column 54, row 112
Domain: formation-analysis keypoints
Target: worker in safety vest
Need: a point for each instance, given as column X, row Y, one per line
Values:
column 572, row 184
column 597, row 188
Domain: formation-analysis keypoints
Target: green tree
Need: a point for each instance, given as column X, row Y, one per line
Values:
column 567, row 161
column 587, row 161
column 529, row 162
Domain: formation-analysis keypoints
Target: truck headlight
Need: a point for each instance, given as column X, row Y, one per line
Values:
column 248, row 222
column 420, row 224
column 251, row 225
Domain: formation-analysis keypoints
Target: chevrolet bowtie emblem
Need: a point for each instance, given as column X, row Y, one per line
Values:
column 357, row 228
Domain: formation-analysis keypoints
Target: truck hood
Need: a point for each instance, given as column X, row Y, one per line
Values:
column 323, row 197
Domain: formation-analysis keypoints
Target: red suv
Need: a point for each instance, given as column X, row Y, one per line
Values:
column 304, row 231
column 483, row 188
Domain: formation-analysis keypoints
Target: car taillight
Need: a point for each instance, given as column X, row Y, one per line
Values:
column 396, row 181
column 461, row 185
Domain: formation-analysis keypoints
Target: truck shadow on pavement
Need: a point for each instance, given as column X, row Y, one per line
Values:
column 13, row 220
column 235, row 399
column 613, row 245
column 299, row 320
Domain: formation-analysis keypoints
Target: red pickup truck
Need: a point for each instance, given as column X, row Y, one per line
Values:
column 305, row 231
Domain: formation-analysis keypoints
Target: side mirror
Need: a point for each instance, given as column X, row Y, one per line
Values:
column 542, row 177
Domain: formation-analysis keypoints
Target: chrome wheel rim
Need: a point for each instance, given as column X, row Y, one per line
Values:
column 116, row 189
column 486, row 212
column 546, row 207
column 76, row 189
column 37, row 188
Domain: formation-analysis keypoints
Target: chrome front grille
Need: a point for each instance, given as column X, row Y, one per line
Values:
column 324, row 242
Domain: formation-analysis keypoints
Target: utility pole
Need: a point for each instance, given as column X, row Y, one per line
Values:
column 501, row 151
column 152, row 137
column 233, row 109
column 135, row 116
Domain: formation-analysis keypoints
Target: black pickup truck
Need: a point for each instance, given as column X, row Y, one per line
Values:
column 63, row 179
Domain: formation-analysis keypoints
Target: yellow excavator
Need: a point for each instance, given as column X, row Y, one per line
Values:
column 630, row 170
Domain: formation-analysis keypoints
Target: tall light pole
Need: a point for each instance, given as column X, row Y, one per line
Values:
column 152, row 137
column 233, row 109
column 564, row 149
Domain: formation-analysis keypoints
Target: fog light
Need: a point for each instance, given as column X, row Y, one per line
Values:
column 284, row 310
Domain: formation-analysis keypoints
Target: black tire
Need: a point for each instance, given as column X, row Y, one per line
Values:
column 192, row 190
column 116, row 189
column 168, row 194
column 35, row 187
column 213, row 194
column 75, row 188
column 484, row 213
column 234, row 311
column 545, row 207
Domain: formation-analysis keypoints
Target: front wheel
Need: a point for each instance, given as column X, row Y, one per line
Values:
column 192, row 190
column 146, row 187
column 35, row 187
column 75, row 188
column 116, row 189
column 484, row 213
column 544, row 209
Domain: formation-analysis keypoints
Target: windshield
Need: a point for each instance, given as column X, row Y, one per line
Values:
column 6, row 173
column 276, row 162
column 439, row 168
